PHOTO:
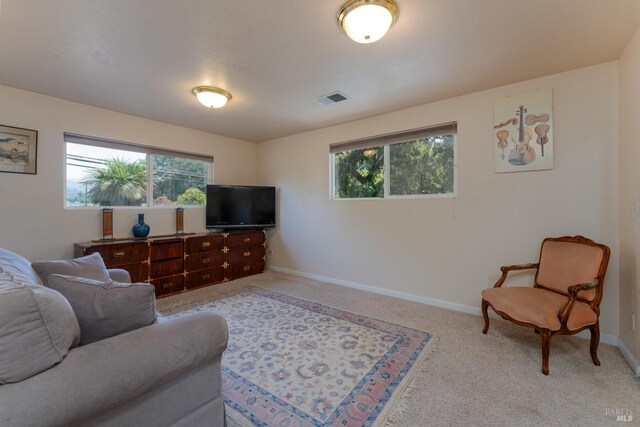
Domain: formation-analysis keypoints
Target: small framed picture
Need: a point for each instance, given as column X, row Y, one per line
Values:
column 18, row 148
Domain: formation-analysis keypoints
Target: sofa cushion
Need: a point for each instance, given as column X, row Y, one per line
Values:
column 90, row 266
column 37, row 329
column 106, row 308
column 18, row 267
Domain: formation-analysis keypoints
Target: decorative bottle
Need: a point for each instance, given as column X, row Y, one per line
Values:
column 141, row 229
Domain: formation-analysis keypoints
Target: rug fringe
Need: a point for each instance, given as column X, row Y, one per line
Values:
column 396, row 415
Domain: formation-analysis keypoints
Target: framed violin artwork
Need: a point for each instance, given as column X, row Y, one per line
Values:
column 523, row 132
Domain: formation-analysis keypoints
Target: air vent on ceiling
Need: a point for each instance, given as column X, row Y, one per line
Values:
column 332, row 98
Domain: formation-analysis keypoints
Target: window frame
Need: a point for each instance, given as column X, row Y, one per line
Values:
column 149, row 152
column 386, row 141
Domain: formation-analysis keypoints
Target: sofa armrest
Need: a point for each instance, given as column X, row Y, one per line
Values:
column 108, row 373
column 119, row 275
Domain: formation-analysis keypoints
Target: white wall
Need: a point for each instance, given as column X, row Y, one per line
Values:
column 630, row 194
column 33, row 220
column 451, row 249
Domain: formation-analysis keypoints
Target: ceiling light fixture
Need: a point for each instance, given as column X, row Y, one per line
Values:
column 367, row 21
column 212, row 97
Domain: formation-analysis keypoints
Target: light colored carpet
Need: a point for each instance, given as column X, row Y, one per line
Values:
column 474, row 379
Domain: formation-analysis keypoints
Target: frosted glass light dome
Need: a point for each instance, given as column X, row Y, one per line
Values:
column 211, row 97
column 367, row 21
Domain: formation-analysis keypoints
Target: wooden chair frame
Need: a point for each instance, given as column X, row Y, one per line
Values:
column 565, row 311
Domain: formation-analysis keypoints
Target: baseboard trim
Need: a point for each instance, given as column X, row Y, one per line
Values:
column 635, row 365
column 381, row 291
column 604, row 338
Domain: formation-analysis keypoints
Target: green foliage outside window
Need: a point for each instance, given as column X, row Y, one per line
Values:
column 117, row 183
column 193, row 196
column 114, row 174
column 423, row 166
column 359, row 173
column 173, row 176
column 122, row 182
column 419, row 167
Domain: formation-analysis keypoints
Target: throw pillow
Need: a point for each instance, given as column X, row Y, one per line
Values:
column 18, row 267
column 37, row 329
column 90, row 266
column 106, row 308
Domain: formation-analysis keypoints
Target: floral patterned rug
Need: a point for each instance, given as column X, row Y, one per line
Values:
column 292, row 362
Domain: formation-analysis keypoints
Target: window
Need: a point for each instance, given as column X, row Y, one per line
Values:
column 414, row 163
column 110, row 173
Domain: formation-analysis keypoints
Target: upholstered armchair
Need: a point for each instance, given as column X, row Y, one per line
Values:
column 565, row 298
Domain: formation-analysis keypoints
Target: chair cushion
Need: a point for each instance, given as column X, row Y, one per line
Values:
column 105, row 309
column 538, row 307
column 90, row 266
column 37, row 329
column 564, row 264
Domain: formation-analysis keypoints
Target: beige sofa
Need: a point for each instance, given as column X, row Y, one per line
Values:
column 165, row 374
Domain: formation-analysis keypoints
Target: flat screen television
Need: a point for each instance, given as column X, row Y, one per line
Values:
column 240, row 206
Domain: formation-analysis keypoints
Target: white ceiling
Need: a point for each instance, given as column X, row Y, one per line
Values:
column 143, row 57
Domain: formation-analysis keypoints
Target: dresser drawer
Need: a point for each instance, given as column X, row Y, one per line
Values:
column 205, row 260
column 246, row 269
column 205, row 277
column 243, row 255
column 166, row 249
column 203, row 244
column 168, row 285
column 126, row 253
column 166, row 268
column 236, row 240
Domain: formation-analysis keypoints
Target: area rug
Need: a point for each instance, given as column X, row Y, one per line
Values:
column 292, row 362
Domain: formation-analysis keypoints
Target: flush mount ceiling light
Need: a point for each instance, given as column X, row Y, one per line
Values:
column 212, row 97
column 367, row 21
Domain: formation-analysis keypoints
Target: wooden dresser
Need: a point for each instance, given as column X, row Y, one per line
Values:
column 180, row 263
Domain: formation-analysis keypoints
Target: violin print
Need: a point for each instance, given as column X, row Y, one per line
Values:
column 523, row 130
column 522, row 153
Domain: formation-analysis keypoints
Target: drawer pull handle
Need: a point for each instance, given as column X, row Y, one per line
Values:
column 167, row 285
column 247, row 254
column 206, row 276
column 206, row 260
column 119, row 254
column 247, row 239
column 246, row 268
column 206, row 244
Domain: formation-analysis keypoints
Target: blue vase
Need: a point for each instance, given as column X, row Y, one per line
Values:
column 141, row 229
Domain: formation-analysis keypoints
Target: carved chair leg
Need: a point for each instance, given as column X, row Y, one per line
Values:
column 545, row 339
column 595, row 341
column 485, row 315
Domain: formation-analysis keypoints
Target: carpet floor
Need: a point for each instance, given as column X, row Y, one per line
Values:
column 474, row 379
